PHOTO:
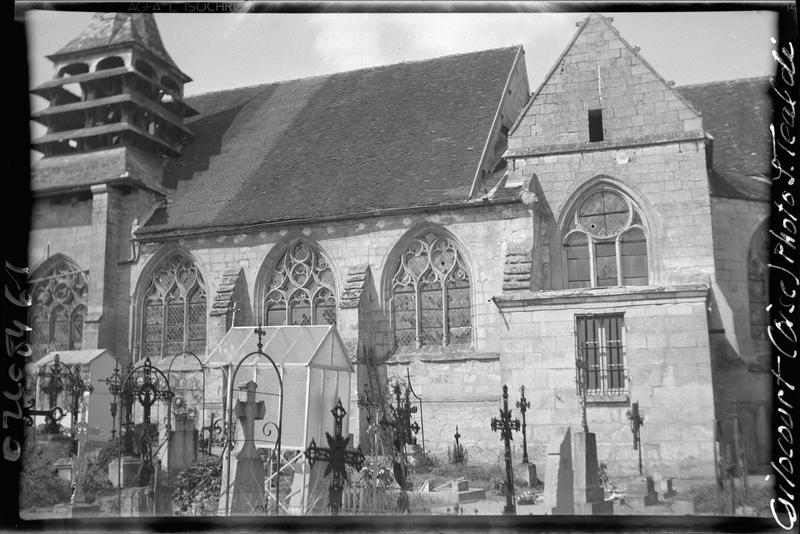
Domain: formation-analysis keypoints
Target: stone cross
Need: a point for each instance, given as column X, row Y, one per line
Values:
column 506, row 426
column 637, row 421
column 337, row 456
column 522, row 405
column 247, row 488
column 248, row 413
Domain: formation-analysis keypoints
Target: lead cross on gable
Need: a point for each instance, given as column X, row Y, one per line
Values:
column 248, row 412
column 337, row 456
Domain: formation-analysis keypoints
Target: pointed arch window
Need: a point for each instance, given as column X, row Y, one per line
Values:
column 174, row 310
column 605, row 243
column 431, row 294
column 757, row 285
column 58, row 308
column 301, row 290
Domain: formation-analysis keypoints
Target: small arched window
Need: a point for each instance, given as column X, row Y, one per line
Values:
column 301, row 290
column 605, row 242
column 111, row 62
column 431, row 294
column 174, row 310
column 58, row 307
column 145, row 68
column 73, row 69
column 757, row 285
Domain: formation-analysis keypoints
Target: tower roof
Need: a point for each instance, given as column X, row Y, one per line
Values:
column 113, row 29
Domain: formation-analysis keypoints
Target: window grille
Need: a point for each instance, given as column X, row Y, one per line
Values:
column 431, row 295
column 605, row 243
column 601, row 354
column 174, row 310
column 58, row 307
column 301, row 290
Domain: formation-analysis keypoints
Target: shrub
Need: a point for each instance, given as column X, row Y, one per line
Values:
column 196, row 484
column 39, row 483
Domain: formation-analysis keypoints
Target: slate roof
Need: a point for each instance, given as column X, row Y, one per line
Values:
column 398, row 136
column 109, row 29
column 737, row 113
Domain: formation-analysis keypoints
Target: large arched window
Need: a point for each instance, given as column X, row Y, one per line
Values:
column 605, row 242
column 58, row 307
column 301, row 290
column 757, row 285
column 431, row 294
column 174, row 310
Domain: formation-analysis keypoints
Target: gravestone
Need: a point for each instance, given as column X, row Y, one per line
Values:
column 246, row 493
column 183, row 443
column 572, row 479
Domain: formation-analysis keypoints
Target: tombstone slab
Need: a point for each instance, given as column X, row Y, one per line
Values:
column 572, row 484
column 183, row 443
column 130, row 468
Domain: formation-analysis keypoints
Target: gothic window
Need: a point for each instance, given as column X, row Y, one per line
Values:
column 301, row 290
column 174, row 310
column 757, row 288
column 605, row 243
column 601, row 353
column 431, row 294
column 58, row 308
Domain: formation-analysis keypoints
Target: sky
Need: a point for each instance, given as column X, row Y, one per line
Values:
column 222, row 51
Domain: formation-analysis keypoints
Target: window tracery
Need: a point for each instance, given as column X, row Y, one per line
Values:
column 301, row 290
column 757, row 285
column 174, row 310
column 431, row 294
column 605, row 243
column 58, row 308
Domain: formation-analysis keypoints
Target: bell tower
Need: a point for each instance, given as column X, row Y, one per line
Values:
column 116, row 100
column 115, row 116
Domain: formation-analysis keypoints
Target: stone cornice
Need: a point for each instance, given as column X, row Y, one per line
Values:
column 572, row 297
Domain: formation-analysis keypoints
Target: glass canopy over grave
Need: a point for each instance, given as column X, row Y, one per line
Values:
column 315, row 370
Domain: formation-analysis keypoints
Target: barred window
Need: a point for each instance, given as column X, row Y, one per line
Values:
column 58, row 307
column 302, row 290
column 431, row 294
column 605, row 243
column 174, row 310
column 601, row 354
column 757, row 284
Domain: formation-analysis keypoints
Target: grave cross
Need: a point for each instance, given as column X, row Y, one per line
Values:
column 248, row 412
column 506, row 426
column 147, row 390
column 337, row 456
column 581, row 379
column 52, row 389
column 458, row 450
column 81, row 462
column 637, row 421
column 522, row 405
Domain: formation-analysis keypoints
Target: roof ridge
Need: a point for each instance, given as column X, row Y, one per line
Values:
column 352, row 71
column 729, row 81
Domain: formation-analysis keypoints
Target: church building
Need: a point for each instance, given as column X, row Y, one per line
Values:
column 460, row 230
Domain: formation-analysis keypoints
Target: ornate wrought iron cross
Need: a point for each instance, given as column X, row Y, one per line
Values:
column 52, row 389
column 337, row 456
column 114, row 383
column 522, row 405
column 637, row 421
column 147, row 391
column 506, row 425
column 74, row 383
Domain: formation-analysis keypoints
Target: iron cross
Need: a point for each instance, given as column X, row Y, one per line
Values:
column 522, row 405
column 458, row 450
column 581, row 380
column 337, row 456
column 637, row 421
column 506, row 426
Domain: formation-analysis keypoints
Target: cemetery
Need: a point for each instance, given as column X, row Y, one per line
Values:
column 278, row 443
